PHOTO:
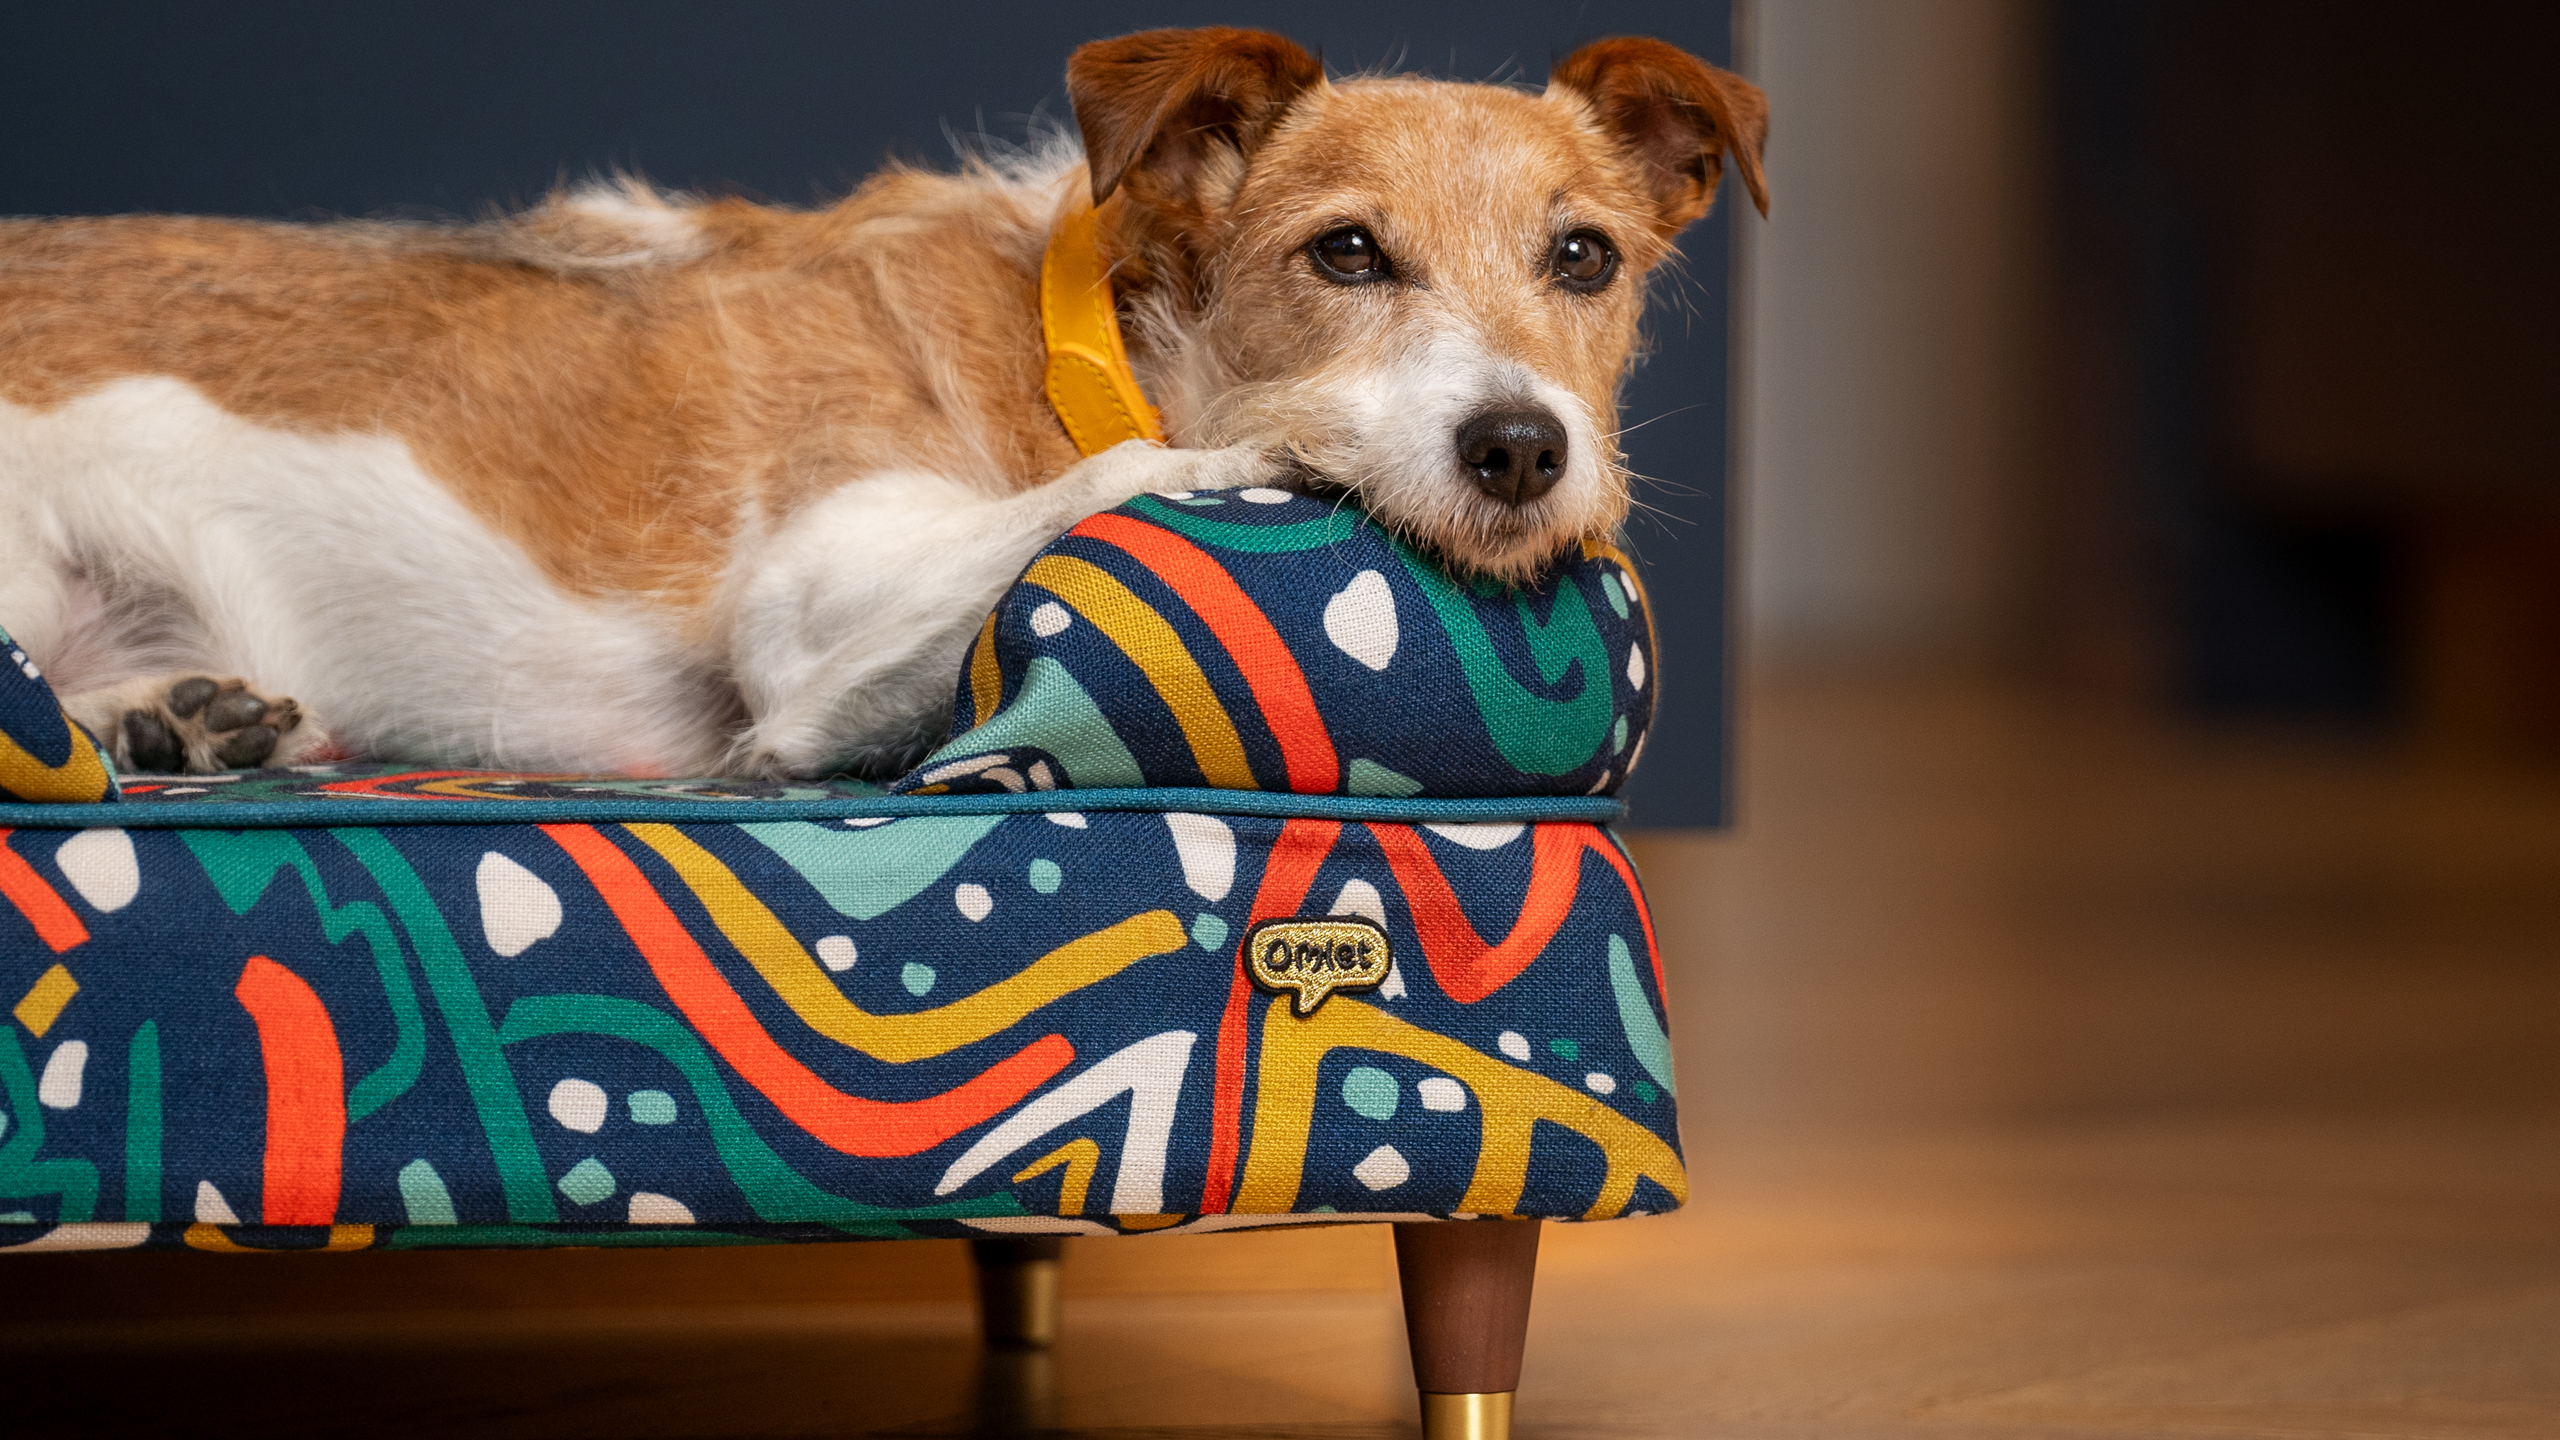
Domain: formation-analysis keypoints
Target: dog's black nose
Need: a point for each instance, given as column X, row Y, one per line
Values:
column 1515, row 454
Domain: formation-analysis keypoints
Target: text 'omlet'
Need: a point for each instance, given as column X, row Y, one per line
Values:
column 1311, row 959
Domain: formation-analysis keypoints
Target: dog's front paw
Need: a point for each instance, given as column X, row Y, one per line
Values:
column 1142, row 467
column 195, row 725
column 1245, row 467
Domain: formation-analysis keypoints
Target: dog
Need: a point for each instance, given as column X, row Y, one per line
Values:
column 659, row 485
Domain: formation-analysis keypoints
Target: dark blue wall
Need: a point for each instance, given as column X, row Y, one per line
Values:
column 392, row 106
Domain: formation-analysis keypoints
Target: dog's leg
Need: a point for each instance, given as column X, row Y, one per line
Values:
column 194, row 725
column 852, row 620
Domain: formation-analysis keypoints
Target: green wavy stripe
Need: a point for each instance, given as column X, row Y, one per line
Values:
column 1538, row 736
column 22, row 1175
column 868, row 873
column 142, row 1124
column 1253, row 539
column 774, row 1190
column 466, row 1017
column 1644, row 1033
column 242, row 865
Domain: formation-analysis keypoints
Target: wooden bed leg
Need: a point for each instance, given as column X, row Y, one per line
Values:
column 1466, row 1312
column 1018, row 1290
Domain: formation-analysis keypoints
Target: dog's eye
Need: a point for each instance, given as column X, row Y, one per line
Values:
column 1349, row 255
column 1584, row 260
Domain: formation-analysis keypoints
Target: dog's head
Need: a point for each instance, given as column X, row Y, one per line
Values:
column 1429, row 291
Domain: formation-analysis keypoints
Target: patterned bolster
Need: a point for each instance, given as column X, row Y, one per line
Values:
column 45, row 757
column 1257, row 640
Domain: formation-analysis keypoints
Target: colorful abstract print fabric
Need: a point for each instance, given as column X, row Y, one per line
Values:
column 337, row 782
column 650, row 1033
column 1259, row 640
column 44, row 757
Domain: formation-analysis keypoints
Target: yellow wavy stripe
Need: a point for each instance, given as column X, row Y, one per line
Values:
column 1509, row 1100
column 986, row 682
column 796, row 977
column 1082, row 1157
column 78, row 780
column 1153, row 646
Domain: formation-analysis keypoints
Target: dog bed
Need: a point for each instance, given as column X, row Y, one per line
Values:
column 1013, row 992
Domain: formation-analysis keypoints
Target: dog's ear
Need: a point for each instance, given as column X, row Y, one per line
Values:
column 1165, row 102
column 1680, row 116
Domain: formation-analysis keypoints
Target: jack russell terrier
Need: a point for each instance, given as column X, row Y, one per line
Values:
column 653, row 485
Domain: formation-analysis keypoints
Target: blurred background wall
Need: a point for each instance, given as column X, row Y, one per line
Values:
column 1888, row 327
column 2199, row 355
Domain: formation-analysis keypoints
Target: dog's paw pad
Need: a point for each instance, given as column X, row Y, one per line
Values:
column 189, row 695
column 202, row 724
column 245, row 749
column 151, row 746
column 229, row 711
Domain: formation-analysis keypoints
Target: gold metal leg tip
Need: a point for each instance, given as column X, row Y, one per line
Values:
column 1020, row 1303
column 1481, row 1416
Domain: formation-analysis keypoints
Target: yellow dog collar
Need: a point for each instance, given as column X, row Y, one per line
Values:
column 1089, row 383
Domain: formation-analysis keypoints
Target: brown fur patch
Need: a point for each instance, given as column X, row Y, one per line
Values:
column 621, row 423
column 1678, row 116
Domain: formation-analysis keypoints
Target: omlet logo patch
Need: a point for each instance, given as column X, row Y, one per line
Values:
column 1313, row 958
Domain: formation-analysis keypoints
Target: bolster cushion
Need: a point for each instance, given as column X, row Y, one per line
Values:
column 1258, row 640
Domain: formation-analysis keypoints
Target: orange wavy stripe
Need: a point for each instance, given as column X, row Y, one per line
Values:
column 848, row 1123
column 306, row 1094
column 1466, row 965
column 55, row 925
column 1278, row 686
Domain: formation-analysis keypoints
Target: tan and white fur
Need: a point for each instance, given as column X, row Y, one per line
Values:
column 649, row 484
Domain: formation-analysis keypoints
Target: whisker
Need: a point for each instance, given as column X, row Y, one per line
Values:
column 1676, row 487
column 1665, row 415
column 1634, row 504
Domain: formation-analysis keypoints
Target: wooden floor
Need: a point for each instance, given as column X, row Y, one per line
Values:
column 2045, row 1076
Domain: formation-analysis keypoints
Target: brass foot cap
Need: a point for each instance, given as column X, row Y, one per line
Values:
column 1482, row 1416
column 1019, row 1303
